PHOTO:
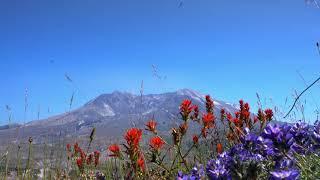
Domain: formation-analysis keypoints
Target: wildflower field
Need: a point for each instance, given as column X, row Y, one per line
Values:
column 247, row 146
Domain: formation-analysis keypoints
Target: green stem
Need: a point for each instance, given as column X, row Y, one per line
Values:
column 19, row 161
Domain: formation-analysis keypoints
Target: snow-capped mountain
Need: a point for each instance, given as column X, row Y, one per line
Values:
column 112, row 113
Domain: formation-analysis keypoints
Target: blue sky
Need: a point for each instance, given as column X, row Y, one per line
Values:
column 230, row 49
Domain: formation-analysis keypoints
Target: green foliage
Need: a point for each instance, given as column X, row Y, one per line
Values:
column 309, row 166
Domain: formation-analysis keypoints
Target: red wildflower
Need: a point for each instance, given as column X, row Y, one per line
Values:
column 151, row 126
column 229, row 117
column 115, row 149
column 241, row 103
column 89, row 159
column 156, row 143
column 236, row 122
column 222, row 114
column 219, row 148
column 68, row 147
column 246, row 106
column 261, row 115
column 195, row 115
column 246, row 115
column 96, row 157
column 80, row 163
column 133, row 137
column 269, row 114
column 204, row 132
column 76, row 148
column 209, row 104
column 208, row 120
column 140, row 163
column 237, row 114
column 185, row 109
column 195, row 139
column 246, row 111
column 83, row 155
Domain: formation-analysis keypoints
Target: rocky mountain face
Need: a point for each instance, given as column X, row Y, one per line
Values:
column 111, row 114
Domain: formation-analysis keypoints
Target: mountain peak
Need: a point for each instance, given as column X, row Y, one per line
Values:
column 113, row 112
column 191, row 93
column 121, row 92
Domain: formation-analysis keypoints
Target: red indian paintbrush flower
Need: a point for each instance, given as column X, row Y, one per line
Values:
column 241, row 103
column 195, row 114
column 68, row 147
column 219, row 148
column 76, row 148
column 261, row 116
column 208, row 120
column 115, row 149
column 204, row 132
column 156, row 143
column 222, row 114
column 246, row 111
column 83, row 155
column 133, row 137
column 246, row 106
column 140, row 163
column 151, row 126
column 89, row 159
column 195, row 139
column 237, row 114
column 80, row 163
column 209, row 104
column 96, row 157
column 229, row 117
column 237, row 122
column 269, row 114
column 185, row 109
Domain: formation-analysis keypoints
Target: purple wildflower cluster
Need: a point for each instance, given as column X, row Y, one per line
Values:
column 196, row 174
column 269, row 155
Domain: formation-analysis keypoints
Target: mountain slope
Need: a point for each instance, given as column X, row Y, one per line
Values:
column 112, row 113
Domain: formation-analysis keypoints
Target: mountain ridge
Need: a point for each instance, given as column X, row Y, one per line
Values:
column 112, row 113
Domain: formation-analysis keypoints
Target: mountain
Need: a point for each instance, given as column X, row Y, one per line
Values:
column 111, row 114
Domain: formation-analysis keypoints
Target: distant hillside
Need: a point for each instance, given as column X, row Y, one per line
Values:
column 112, row 113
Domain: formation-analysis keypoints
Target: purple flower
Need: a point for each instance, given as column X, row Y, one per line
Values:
column 292, row 174
column 284, row 164
column 277, row 140
column 196, row 173
column 182, row 176
column 217, row 170
column 316, row 132
column 272, row 151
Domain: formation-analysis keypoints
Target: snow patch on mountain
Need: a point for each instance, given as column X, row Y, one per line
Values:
column 192, row 94
column 80, row 122
column 216, row 103
column 106, row 111
column 149, row 111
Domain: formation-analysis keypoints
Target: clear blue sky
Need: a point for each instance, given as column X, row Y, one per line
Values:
column 230, row 49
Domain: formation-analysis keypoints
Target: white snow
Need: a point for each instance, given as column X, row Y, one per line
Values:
column 80, row 122
column 192, row 94
column 149, row 111
column 156, row 97
column 216, row 103
column 106, row 111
